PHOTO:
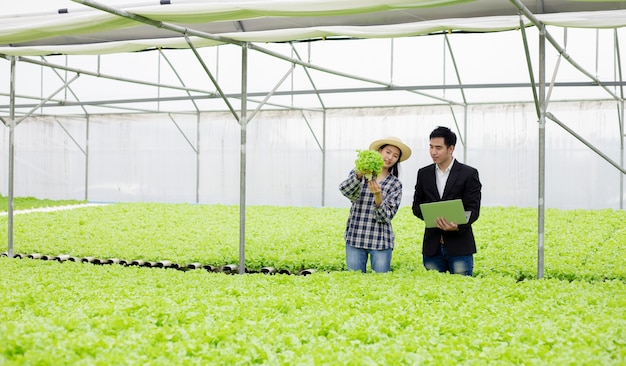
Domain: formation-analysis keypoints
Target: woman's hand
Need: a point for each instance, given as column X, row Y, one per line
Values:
column 360, row 174
column 374, row 187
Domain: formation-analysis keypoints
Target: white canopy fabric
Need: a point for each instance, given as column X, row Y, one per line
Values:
column 86, row 30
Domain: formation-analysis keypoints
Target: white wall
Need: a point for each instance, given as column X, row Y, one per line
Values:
column 151, row 157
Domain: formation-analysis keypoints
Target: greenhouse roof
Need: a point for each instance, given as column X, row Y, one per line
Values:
column 87, row 27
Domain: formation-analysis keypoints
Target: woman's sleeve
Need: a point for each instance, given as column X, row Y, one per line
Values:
column 351, row 187
column 391, row 201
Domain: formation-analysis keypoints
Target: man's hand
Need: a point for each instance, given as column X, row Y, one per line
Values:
column 445, row 225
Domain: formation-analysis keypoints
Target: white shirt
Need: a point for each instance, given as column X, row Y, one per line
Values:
column 442, row 177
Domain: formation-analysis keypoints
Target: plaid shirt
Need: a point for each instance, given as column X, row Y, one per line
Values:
column 368, row 226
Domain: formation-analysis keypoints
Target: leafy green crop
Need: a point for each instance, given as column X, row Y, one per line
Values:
column 296, row 238
column 369, row 162
column 115, row 314
column 74, row 313
column 23, row 203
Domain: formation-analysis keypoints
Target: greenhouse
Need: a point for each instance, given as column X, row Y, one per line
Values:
column 241, row 111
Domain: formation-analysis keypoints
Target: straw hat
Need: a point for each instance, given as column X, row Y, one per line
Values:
column 406, row 151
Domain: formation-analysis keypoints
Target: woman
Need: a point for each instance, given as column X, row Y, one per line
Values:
column 374, row 203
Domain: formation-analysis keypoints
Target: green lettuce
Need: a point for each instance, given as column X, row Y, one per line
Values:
column 370, row 163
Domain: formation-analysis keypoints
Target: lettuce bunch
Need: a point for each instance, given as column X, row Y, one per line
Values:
column 370, row 163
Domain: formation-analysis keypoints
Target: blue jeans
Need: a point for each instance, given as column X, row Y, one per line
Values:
column 455, row 264
column 356, row 259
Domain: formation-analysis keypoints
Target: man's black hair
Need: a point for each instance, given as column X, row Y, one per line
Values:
column 449, row 137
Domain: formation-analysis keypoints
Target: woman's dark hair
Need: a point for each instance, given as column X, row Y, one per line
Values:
column 449, row 137
column 395, row 168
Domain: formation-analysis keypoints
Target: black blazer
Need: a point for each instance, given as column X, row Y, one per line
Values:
column 463, row 183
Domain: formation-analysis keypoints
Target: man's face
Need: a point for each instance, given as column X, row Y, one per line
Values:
column 440, row 154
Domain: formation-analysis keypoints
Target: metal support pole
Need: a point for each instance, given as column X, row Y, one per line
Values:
column 87, row 158
column 542, row 151
column 621, row 155
column 464, row 132
column 198, row 156
column 620, row 116
column 242, row 169
column 12, row 125
column 324, row 159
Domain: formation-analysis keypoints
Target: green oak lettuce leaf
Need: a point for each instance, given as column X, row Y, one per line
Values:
column 369, row 162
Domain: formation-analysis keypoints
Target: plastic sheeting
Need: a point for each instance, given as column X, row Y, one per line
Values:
column 152, row 157
column 90, row 31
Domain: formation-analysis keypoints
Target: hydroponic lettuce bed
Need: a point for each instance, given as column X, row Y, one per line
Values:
column 62, row 312
column 299, row 238
column 74, row 313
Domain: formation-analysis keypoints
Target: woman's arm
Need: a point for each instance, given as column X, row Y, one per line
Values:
column 391, row 199
column 351, row 187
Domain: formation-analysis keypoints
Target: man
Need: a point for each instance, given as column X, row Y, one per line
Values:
column 448, row 247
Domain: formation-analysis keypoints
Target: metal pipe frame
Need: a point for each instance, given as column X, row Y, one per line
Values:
column 243, row 119
column 541, row 102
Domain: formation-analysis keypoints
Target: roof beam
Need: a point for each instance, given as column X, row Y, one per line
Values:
column 156, row 23
column 558, row 47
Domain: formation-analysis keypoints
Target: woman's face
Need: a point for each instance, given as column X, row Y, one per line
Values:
column 390, row 154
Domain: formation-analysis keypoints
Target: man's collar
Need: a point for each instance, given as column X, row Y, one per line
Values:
column 448, row 168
